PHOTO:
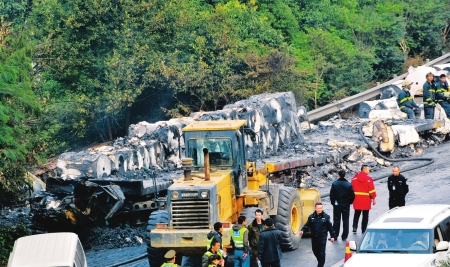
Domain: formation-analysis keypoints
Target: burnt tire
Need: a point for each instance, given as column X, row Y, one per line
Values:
column 156, row 255
column 289, row 218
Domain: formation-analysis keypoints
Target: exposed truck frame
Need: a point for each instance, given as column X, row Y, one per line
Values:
column 219, row 184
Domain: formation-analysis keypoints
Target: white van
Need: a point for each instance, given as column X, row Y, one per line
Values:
column 414, row 235
column 48, row 250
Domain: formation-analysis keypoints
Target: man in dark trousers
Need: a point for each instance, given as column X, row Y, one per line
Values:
column 319, row 223
column 269, row 250
column 365, row 195
column 341, row 197
column 406, row 102
column 239, row 240
column 429, row 96
column 397, row 188
column 442, row 94
column 254, row 231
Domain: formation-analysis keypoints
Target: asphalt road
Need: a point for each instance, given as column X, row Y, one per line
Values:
column 428, row 185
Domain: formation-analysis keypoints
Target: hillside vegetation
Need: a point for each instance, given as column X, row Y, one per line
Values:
column 77, row 72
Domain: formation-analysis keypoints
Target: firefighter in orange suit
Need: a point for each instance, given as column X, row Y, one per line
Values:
column 365, row 196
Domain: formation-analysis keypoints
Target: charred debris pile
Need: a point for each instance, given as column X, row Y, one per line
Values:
column 122, row 182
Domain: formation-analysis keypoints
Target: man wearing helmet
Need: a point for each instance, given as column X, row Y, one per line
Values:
column 442, row 94
column 429, row 96
column 406, row 102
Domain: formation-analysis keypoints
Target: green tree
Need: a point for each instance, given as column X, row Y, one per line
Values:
column 331, row 61
column 426, row 26
column 22, row 141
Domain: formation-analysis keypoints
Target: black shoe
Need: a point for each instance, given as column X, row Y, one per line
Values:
column 354, row 230
column 344, row 239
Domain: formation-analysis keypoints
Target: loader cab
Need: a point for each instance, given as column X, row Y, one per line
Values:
column 224, row 142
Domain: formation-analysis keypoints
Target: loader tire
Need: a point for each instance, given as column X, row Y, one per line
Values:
column 158, row 216
column 156, row 255
column 289, row 218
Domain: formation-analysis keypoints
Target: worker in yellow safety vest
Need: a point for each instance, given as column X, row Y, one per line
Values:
column 170, row 259
column 213, row 250
column 239, row 239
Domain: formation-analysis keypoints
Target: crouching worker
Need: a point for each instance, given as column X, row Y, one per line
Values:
column 213, row 261
column 213, row 250
column 170, row 259
column 406, row 102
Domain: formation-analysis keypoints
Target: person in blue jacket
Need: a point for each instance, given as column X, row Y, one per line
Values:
column 429, row 96
column 406, row 102
column 319, row 223
column 442, row 94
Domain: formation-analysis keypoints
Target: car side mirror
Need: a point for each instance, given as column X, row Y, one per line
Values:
column 353, row 247
column 442, row 246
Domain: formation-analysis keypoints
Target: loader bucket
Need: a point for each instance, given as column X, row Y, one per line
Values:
column 309, row 198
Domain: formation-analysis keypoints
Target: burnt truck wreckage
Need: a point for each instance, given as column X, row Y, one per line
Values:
column 129, row 178
column 69, row 204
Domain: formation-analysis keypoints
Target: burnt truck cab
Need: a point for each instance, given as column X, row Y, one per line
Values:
column 206, row 193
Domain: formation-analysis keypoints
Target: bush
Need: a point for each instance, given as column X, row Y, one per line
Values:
column 445, row 263
column 9, row 234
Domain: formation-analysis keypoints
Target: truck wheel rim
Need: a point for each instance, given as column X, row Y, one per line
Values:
column 295, row 218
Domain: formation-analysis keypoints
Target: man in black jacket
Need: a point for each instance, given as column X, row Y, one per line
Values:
column 341, row 197
column 269, row 250
column 397, row 188
column 319, row 223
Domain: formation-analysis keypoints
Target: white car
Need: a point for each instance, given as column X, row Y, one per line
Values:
column 415, row 235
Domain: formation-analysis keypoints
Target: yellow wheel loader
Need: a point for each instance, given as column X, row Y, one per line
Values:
column 219, row 184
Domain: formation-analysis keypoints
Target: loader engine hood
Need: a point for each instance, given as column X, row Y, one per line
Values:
column 192, row 203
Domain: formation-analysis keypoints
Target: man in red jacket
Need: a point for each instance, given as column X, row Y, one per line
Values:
column 365, row 195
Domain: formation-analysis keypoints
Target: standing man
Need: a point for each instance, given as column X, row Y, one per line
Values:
column 442, row 94
column 239, row 239
column 170, row 259
column 269, row 250
column 365, row 195
column 406, row 102
column 216, row 234
column 429, row 96
column 254, row 231
column 397, row 188
column 341, row 197
column 319, row 223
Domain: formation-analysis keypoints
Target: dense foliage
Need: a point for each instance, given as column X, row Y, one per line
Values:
column 8, row 235
column 76, row 72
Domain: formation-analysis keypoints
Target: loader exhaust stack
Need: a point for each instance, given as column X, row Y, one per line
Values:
column 206, row 155
column 186, row 165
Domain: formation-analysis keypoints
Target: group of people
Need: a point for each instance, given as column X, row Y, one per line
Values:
column 258, row 244
column 433, row 93
column 362, row 194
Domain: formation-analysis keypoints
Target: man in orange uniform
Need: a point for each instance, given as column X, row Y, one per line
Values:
column 365, row 195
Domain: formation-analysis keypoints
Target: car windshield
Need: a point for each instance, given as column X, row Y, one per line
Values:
column 412, row 241
column 219, row 151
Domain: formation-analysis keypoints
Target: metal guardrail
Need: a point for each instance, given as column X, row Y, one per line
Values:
column 350, row 101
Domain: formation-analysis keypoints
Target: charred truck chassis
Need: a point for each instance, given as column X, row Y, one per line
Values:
column 70, row 204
